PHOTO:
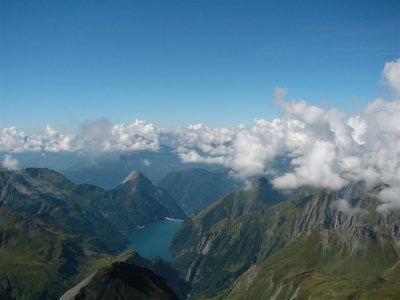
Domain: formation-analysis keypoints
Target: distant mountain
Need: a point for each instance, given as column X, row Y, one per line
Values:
column 251, row 245
column 195, row 189
column 107, row 169
column 122, row 281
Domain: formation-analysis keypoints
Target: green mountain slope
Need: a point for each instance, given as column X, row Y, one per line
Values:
column 195, row 189
column 303, row 247
column 223, row 241
column 40, row 258
column 43, row 192
column 156, row 265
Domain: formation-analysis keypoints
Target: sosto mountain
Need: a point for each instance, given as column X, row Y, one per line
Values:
column 318, row 244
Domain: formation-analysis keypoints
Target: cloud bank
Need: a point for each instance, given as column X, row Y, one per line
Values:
column 325, row 147
column 95, row 136
column 9, row 163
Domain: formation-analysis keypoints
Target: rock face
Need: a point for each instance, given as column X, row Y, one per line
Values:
column 196, row 189
column 122, row 281
column 249, row 244
column 224, row 240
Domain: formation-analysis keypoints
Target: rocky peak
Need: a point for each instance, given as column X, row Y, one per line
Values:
column 136, row 180
column 122, row 281
column 261, row 182
column 265, row 192
column 131, row 177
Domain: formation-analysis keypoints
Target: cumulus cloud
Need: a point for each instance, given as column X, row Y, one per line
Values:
column 325, row 147
column 344, row 206
column 9, row 163
column 92, row 136
column 146, row 162
column 390, row 199
column 391, row 76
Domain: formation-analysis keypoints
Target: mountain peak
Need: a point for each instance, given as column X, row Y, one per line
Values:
column 135, row 179
column 45, row 175
column 133, row 176
column 124, row 281
column 261, row 182
column 265, row 192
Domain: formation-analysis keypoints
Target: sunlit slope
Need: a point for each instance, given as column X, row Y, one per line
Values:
column 305, row 246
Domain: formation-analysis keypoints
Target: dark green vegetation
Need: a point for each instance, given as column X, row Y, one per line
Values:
column 122, row 281
column 251, row 245
column 54, row 233
column 196, row 189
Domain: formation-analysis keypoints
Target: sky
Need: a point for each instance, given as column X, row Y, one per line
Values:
column 175, row 63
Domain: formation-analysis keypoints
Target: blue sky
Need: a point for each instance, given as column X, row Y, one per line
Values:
column 178, row 62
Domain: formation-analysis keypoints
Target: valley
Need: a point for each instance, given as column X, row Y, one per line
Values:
column 303, row 244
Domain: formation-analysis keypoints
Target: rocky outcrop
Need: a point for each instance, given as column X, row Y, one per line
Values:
column 122, row 281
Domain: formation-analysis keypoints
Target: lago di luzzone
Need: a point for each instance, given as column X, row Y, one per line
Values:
column 154, row 239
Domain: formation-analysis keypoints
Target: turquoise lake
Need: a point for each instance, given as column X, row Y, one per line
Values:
column 154, row 239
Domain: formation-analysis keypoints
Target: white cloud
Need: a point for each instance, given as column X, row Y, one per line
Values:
column 391, row 76
column 344, row 206
column 146, row 162
column 325, row 147
column 390, row 198
column 359, row 128
column 9, row 163
column 94, row 136
column 316, row 167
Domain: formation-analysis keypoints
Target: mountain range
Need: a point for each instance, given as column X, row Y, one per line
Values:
column 253, row 242
column 252, row 245
column 54, row 232
column 105, row 169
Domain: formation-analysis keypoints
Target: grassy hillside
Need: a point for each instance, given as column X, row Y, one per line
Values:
column 248, row 246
